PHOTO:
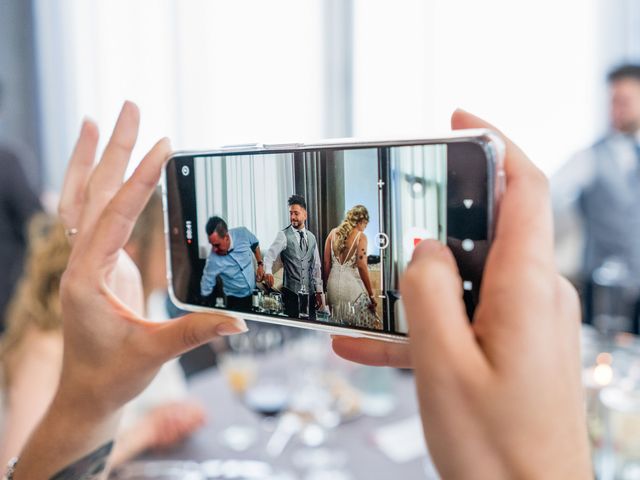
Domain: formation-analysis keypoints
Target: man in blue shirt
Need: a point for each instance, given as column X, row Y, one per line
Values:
column 231, row 259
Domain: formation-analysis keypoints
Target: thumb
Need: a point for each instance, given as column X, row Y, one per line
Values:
column 441, row 337
column 192, row 330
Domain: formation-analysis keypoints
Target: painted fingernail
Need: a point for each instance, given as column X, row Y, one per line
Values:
column 231, row 327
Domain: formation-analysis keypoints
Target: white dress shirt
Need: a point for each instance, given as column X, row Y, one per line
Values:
column 279, row 244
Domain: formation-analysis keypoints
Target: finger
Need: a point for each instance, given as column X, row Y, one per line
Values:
column 524, row 230
column 77, row 175
column 118, row 219
column 441, row 338
column 185, row 333
column 107, row 176
column 372, row 352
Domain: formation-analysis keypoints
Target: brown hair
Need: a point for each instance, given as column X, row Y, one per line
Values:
column 36, row 303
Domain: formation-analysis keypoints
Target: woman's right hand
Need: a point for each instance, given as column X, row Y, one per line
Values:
column 500, row 397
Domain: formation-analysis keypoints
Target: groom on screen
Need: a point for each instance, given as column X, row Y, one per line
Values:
column 298, row 250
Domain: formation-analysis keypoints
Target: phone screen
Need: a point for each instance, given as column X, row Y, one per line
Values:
column 323, row 235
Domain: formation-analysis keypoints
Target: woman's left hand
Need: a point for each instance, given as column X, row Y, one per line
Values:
column 111, row 352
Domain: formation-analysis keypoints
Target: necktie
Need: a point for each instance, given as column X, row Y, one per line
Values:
column 303, row 242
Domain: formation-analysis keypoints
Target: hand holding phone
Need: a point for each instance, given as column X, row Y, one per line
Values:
column 508, row 384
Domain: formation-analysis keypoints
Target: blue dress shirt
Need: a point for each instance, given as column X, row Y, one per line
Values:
column 235, row 268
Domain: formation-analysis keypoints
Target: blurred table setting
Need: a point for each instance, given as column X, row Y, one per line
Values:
column 611, row 377
column 283, row 406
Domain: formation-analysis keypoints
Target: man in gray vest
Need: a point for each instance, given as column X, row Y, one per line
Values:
column 599, row 188
column 298, row 250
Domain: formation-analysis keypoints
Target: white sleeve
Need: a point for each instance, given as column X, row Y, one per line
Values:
column 566, row 187
column 278, row 245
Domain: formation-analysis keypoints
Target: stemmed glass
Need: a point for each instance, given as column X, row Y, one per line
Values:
column 240, row 370
column 315, row 404
column 269, row 394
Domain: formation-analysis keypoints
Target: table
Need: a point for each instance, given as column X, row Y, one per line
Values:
column 355, row 438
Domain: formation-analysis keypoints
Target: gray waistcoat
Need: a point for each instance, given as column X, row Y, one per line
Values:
column 297, row 264
column 611, row 207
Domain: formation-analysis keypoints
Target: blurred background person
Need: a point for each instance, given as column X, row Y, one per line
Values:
column 600, row 188
column 31, row 351
column 18, row 202
column 349, row 291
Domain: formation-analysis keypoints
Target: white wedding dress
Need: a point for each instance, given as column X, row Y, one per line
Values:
column 346, row 293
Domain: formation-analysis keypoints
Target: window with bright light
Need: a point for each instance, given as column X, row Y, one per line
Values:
column 528, row 67
column 204, row 73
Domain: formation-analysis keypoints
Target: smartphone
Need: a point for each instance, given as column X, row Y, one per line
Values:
column 317, row 235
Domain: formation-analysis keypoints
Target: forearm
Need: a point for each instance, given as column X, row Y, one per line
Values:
column 364, row 275
column 70, row 442
column 275, row 249
column 258, row 255
column 269, row 260
column 208, row 282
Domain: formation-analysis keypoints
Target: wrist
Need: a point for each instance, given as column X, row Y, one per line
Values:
column 84, row 401
column 77, row 430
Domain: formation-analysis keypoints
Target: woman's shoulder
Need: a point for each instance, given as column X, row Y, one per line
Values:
column 39, row 346
column 38, row 353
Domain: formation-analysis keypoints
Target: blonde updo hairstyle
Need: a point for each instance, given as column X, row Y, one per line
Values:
column 354, row 216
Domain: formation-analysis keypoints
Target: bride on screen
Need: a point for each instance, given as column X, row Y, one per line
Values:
column 349, row 292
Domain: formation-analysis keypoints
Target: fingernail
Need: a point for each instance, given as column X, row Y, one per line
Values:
column 426, row 247
column 231, row 327
column 131, row 107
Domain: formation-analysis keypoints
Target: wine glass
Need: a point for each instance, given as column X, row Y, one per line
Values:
column 268, row 396
column 316, row 403
column 240, row 370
